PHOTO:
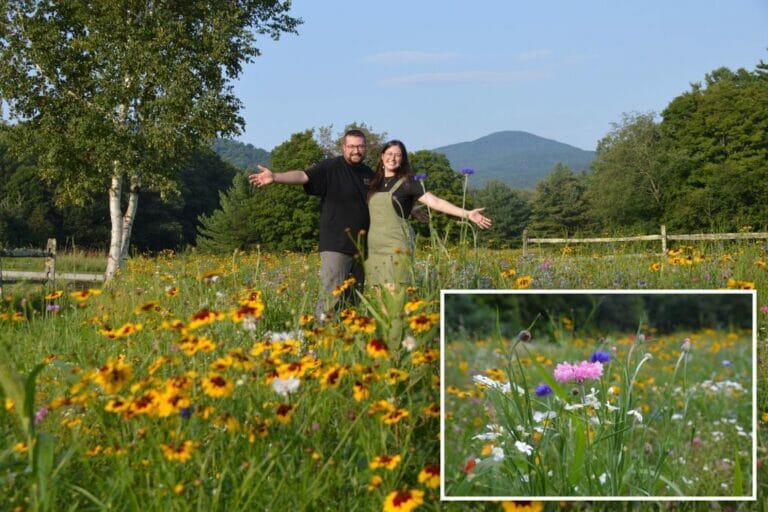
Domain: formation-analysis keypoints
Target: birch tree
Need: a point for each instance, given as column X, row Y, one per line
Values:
column 113, row 96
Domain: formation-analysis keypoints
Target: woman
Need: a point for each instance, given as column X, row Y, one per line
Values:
column 391, row 197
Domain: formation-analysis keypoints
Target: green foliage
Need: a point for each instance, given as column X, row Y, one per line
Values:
column 442, row 181
column 717, row 138
column 558, row 206
column 508, row 208
column 626, row 187
column 243, row 156
column 275, row 217
column 331, row 143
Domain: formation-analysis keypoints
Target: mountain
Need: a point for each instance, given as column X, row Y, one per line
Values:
column 519, row 159
column 240, row 155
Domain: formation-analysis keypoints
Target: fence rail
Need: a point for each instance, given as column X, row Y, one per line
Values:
column 48, row 275
column 663, row 237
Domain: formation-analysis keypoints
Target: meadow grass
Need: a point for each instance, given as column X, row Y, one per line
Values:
column 195, row 382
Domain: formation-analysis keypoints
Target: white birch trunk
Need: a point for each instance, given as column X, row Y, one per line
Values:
column 116, row 219
column 122, row 222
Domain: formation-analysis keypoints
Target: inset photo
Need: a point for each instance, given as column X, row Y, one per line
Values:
column 598, row 394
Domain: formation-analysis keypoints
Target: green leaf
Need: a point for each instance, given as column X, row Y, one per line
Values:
column 42, row 467
column 580, row 444
column 29, row 396
column 738, row 485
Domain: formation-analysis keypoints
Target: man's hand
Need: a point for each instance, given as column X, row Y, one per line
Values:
column 420, row 213
column 261, row 178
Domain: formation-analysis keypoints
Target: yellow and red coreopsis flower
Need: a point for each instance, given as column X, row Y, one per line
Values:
column 740, row 285
column 144, row 404
column 432, row 410
column 360, row 392
column 375, row 483
column 152, row 305
column 216, row 386
column 204, row 317
column 389, row 462
column 194, row 344
column 332, row 376
column 362, row 323
column 117, row 405
column 655, row 267
column 427, row 356
column 123, row 331
column 393, row 417
column 394, row 376
column 54, row 295
column 376, row 348
column 508, row 273
column 83, row 295
column 284, row 412
column 522, row 506
column 113, row 375
column 343, row 286
column 181, row 452
column 171, row 291
column 524, row 281
column 430, row 476
column 403, row 500
column 413, row 305
column 423, row 322
column 171, row 401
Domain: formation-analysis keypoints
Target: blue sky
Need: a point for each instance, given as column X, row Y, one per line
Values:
column 433, row 73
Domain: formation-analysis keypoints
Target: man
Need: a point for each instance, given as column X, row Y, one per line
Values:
column 342, row 185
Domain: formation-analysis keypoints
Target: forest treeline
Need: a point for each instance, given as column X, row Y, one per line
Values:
column 699, row 165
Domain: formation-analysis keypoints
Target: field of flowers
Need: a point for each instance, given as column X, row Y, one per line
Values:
column 626, row 415
column 201, row 383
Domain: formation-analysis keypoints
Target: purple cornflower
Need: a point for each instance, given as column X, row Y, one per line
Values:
column 599, row 357
column 420, row 176
column 726, row 362
column 468, row 171
column 543, row 390
column 186, row 412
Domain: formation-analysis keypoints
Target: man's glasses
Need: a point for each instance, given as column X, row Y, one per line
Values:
column 359, row 147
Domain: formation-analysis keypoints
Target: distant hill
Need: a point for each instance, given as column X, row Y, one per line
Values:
column 242, row 156
column 519, row 159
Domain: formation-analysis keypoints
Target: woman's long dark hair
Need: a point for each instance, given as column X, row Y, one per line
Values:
column 403, row 170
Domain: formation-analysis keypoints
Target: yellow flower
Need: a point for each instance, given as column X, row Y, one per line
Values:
column 423, row 322
column 403, row 500
column 523, row 281
column 430, row 476
column 395, row 416
column 83, row 295
column 508, row 273
column 204, row 317
column 376, row 348
column 284, row 413
column 216, row 386
column 394, row 376
column 385, row 462
column 375, row 483
column 522, row 506
column 332, row 376
column 54, row 295
column 113, row 375
column 180, row 453
column 152, row 305
column 360, row 392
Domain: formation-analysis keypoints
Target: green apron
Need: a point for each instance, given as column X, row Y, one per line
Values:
column 390, row 242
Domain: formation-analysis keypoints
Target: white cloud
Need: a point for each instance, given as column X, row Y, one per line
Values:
column 463, row 76
column 411, row 56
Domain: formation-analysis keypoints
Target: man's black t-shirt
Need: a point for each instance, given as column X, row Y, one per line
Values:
column 342, row 189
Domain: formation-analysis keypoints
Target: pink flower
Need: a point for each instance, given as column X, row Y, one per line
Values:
column 566, row 372
column 764, row 309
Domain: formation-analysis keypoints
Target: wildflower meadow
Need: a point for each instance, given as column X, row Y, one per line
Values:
column 621, row 415
column 198, row 382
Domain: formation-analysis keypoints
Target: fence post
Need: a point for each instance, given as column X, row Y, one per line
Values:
column 525, row 241
column 663, row 239
column 50, row 260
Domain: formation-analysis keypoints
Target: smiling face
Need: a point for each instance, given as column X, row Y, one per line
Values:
column 391, row 159
column 353, row 149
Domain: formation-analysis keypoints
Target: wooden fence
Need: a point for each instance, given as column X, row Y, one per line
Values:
column 663, row 237
column 49, row 274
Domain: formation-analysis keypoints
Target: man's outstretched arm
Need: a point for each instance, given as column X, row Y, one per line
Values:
column 265, row 177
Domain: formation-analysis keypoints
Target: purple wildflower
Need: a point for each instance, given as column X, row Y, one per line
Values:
column 420, row 176
column 186, row 412
column 468, row 171
column 40, row 415
column 599, row 356
column 543, row 390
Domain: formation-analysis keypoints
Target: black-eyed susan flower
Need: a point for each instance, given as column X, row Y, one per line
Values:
column 522, row 506
column 523, row 282
column 430, row 476
column 376, row 348
column 83, row 295
column 178, row 452
column 394, row 417
column 389, row 462
column 395, row 375
column 113, row 375
column 152, row 305
column 423, row 322
column 284, row 412
column 204, row 317
column 332, row 376
column 217, row 386
column 360, row 392
column 403, row 500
